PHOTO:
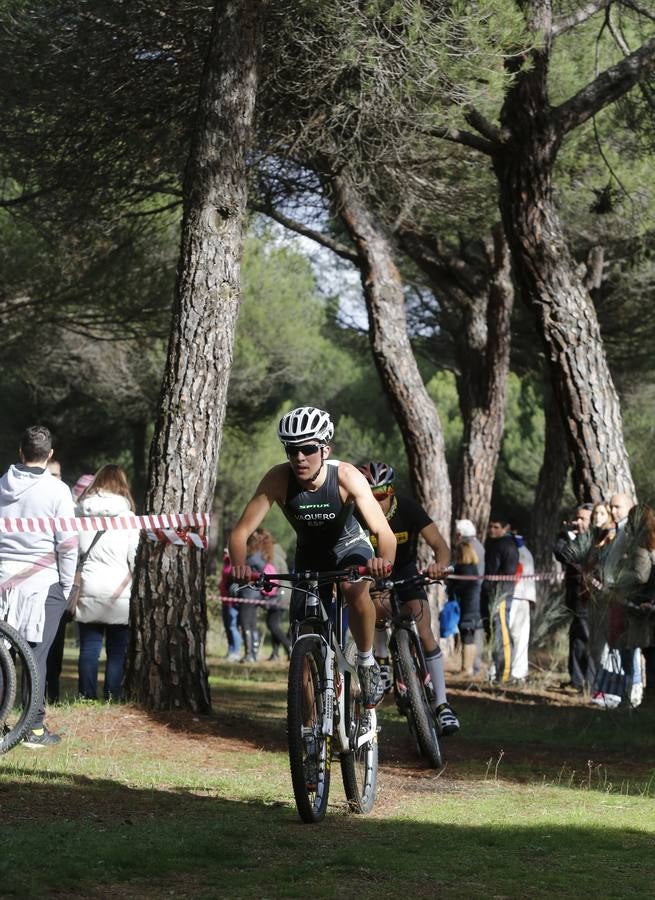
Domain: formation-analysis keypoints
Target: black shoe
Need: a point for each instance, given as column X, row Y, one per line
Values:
column 371, row 685
column 40, row 737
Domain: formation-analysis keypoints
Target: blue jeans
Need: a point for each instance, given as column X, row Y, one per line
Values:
column 91, row 635
column 230, row 614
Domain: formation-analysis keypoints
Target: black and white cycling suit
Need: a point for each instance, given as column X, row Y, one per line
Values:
column 328, row 536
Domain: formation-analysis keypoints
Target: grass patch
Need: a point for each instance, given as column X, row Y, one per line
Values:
column 536, row 800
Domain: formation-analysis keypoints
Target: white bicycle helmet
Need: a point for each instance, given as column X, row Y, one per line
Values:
column 306, row 423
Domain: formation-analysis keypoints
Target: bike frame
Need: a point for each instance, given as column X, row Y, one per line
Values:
column 407, row 621
column 329, row 629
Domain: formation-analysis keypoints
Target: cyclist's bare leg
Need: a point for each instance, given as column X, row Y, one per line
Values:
column 420, row 609
column 361, row 614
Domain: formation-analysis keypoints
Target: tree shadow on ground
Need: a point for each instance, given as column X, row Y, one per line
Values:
column 102, row 839
column 515, row 736
column 518, row 741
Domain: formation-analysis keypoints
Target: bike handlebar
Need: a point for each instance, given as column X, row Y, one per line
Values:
column 387, row 584
column 353, row 573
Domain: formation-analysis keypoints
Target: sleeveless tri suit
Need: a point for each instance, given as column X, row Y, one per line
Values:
column 328, row 536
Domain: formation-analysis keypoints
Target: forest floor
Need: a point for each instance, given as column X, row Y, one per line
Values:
column 540, row 795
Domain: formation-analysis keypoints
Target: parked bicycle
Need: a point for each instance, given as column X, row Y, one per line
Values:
column 412, row 685
column 325, row 716
column 15, row 722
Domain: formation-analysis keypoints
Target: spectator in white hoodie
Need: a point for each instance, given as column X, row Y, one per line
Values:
column 103, row 604
column 36, row 568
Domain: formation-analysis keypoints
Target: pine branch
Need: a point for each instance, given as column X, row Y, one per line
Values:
column 318, row 236
column 487, row 129
column 566, row 23
column 639, row 8
column 607, row 87
column 466, row 138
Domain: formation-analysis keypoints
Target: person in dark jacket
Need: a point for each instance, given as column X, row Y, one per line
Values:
column 569, row 549
column 501, row 554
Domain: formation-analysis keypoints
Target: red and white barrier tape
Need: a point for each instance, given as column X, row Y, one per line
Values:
column 179, row 536
column 170, row 521
column 535, row 576
column 237, row 601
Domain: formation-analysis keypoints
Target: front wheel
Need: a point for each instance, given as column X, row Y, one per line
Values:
column 359, row 766
column 309, row 747
column 14, row 725
column 420, row 715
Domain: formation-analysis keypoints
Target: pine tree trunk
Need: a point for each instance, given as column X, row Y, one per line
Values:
column 410, row 402
column 167, row 667
column 483, row 354
column 476, row 295
column 550, row 485
column 547, row 276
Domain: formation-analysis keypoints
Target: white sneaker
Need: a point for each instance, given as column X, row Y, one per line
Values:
column 386, row 672
column 636, row 695
column 447, row 721
column 606, row 701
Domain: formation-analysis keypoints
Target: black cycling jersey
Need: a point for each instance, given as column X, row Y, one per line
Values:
column 407, row 521
column 321, row 520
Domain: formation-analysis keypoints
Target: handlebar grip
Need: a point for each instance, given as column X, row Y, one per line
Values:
column 362, row 570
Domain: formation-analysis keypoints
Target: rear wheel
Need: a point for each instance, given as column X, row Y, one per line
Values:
column 420, row 715
column 359, row 766
column 309, row 748
column 14, row 723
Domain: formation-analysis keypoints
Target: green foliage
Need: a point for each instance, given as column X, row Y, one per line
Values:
column 442, row 388
column 522, row 450
column 639, row 430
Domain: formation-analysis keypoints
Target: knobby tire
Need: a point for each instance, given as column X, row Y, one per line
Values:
column 33, row 689
column 359, row 766
column 419, row 713
column 305, row 709
column 8, row 684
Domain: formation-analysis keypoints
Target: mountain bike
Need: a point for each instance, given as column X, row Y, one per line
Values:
column 14, row 724
column 412, row 685
column 325, row 716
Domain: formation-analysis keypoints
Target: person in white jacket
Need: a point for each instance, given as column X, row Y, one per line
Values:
column 103, row 604
column 36, row 568
column 525, row 596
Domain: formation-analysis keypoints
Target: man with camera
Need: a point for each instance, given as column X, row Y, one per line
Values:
column 568, row 550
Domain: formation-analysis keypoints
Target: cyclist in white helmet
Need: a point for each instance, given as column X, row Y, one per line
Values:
column 319, row 497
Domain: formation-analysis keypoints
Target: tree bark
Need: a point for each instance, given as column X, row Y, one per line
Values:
column 550, row 484
column 484, row 368
column 547, row 276
column 412, row 406
column 478, row 293
column 167, row 667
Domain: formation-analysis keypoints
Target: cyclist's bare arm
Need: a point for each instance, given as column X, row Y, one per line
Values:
column 358, row 489
column 436, row 542
column 270, row 490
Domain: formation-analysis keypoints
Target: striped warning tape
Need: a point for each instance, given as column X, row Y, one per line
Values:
column 168, row 521
column 535, row 576
column 240, row 601
column 179, row 536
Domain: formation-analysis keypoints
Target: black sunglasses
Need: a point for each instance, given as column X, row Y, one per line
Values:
column 305, row 449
